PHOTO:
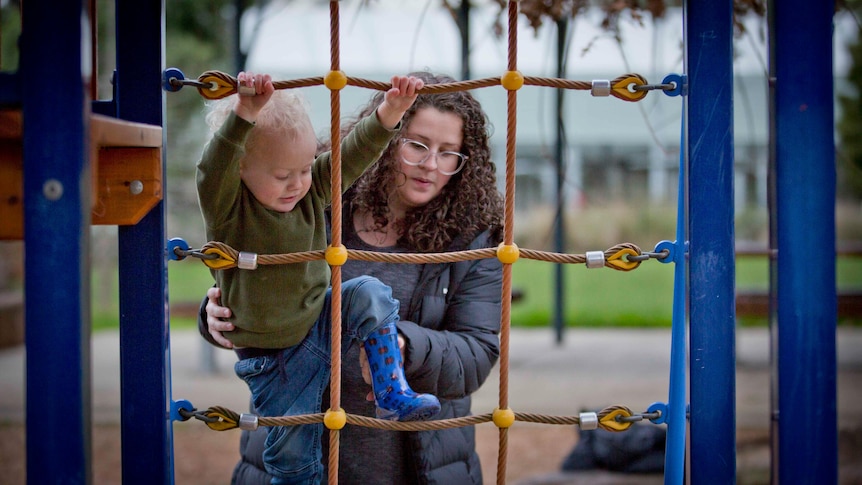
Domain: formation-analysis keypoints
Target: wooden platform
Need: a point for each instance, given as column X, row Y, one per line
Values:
column 126, row 171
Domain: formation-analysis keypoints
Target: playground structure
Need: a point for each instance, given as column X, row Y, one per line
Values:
column 61, row 181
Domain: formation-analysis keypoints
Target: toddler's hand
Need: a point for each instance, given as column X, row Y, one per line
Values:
column 403, row 92
column 398, row 99
column 255, row 90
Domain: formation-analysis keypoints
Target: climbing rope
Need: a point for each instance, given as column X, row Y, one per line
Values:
column 628, row 87
column 621, row 257
column 218, row 255
column 612, row 418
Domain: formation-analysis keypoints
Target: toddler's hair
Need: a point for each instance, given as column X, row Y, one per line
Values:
column 286, row 111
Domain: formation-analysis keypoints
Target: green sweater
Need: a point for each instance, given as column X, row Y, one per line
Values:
column 274, row 306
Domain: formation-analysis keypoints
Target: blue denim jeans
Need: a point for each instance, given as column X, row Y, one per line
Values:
column 291, row 381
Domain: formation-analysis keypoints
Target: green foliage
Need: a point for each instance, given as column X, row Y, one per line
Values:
column 848, row 273
column 195, row 40
column 10, row 29
column 849, row 162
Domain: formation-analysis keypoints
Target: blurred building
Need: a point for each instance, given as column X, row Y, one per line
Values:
column 613, row 150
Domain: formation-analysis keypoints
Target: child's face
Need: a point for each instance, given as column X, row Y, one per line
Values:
column 277, row 170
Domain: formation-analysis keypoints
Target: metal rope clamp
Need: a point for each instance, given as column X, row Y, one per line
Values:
column 588, row 421
column 595, row 259
column 248, row 421
column 601, row 87
column 246, row 260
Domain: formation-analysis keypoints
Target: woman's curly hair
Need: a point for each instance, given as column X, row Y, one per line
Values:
column 469, row 203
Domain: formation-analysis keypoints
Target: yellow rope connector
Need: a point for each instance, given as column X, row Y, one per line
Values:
column 512, row 80
column 616, row 260
column 508, row 253
column 335, row 255
column 335, row 419
column 221, row 419
column 503, row 418
column 221, row 85
column 609, row 421
column 623, row 91
column 225, row 260
column 335, row 80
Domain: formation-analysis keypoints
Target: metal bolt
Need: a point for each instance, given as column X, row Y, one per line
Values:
column 52, row 189
column 136, row 187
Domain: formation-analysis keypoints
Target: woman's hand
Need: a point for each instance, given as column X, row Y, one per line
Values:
column 363, row 363
column 215, row 313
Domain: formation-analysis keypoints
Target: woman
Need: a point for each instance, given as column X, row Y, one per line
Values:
column 433, row 190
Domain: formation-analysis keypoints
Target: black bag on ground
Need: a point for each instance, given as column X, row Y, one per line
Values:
column 640, row 449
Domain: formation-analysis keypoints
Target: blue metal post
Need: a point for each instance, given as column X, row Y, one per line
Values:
column 676, row 413
column 10, row 88
column 57, row 238
column 804, row 235
column 144, row 334
column 560, row 167
column 712, row 361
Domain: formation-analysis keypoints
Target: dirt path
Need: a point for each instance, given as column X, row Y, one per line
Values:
column 206, row 457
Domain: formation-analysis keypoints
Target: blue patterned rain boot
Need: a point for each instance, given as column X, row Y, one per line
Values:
column 393, row 396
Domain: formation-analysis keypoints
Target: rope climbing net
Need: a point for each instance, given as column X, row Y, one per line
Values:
column 621, row 257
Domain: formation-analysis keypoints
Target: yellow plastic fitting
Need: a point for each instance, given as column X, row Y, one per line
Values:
column 219, row 87
column 617, row 261
column 335, row 419
column 512, row 80
column 335, row 80
column 503, row 418
column 508, row 253
column 335, row 255
column 622, row 88
column 610, row 421
column 224, row 261
column 220, row 421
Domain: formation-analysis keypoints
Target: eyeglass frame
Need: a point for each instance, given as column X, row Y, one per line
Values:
column 404, row 139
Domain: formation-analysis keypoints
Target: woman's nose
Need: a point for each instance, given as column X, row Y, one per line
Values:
column 431, row 162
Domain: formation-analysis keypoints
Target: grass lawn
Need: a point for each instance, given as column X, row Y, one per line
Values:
column 591, row 297
column 639, row 298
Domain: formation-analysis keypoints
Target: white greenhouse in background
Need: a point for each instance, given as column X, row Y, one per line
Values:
column 615, row 150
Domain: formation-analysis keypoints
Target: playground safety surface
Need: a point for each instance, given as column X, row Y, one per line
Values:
column 589, row 369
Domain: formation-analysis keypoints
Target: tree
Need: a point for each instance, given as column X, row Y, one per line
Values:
column 10, row 29
column 849, row 159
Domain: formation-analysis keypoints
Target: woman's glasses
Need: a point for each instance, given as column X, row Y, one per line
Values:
column 416, row 153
